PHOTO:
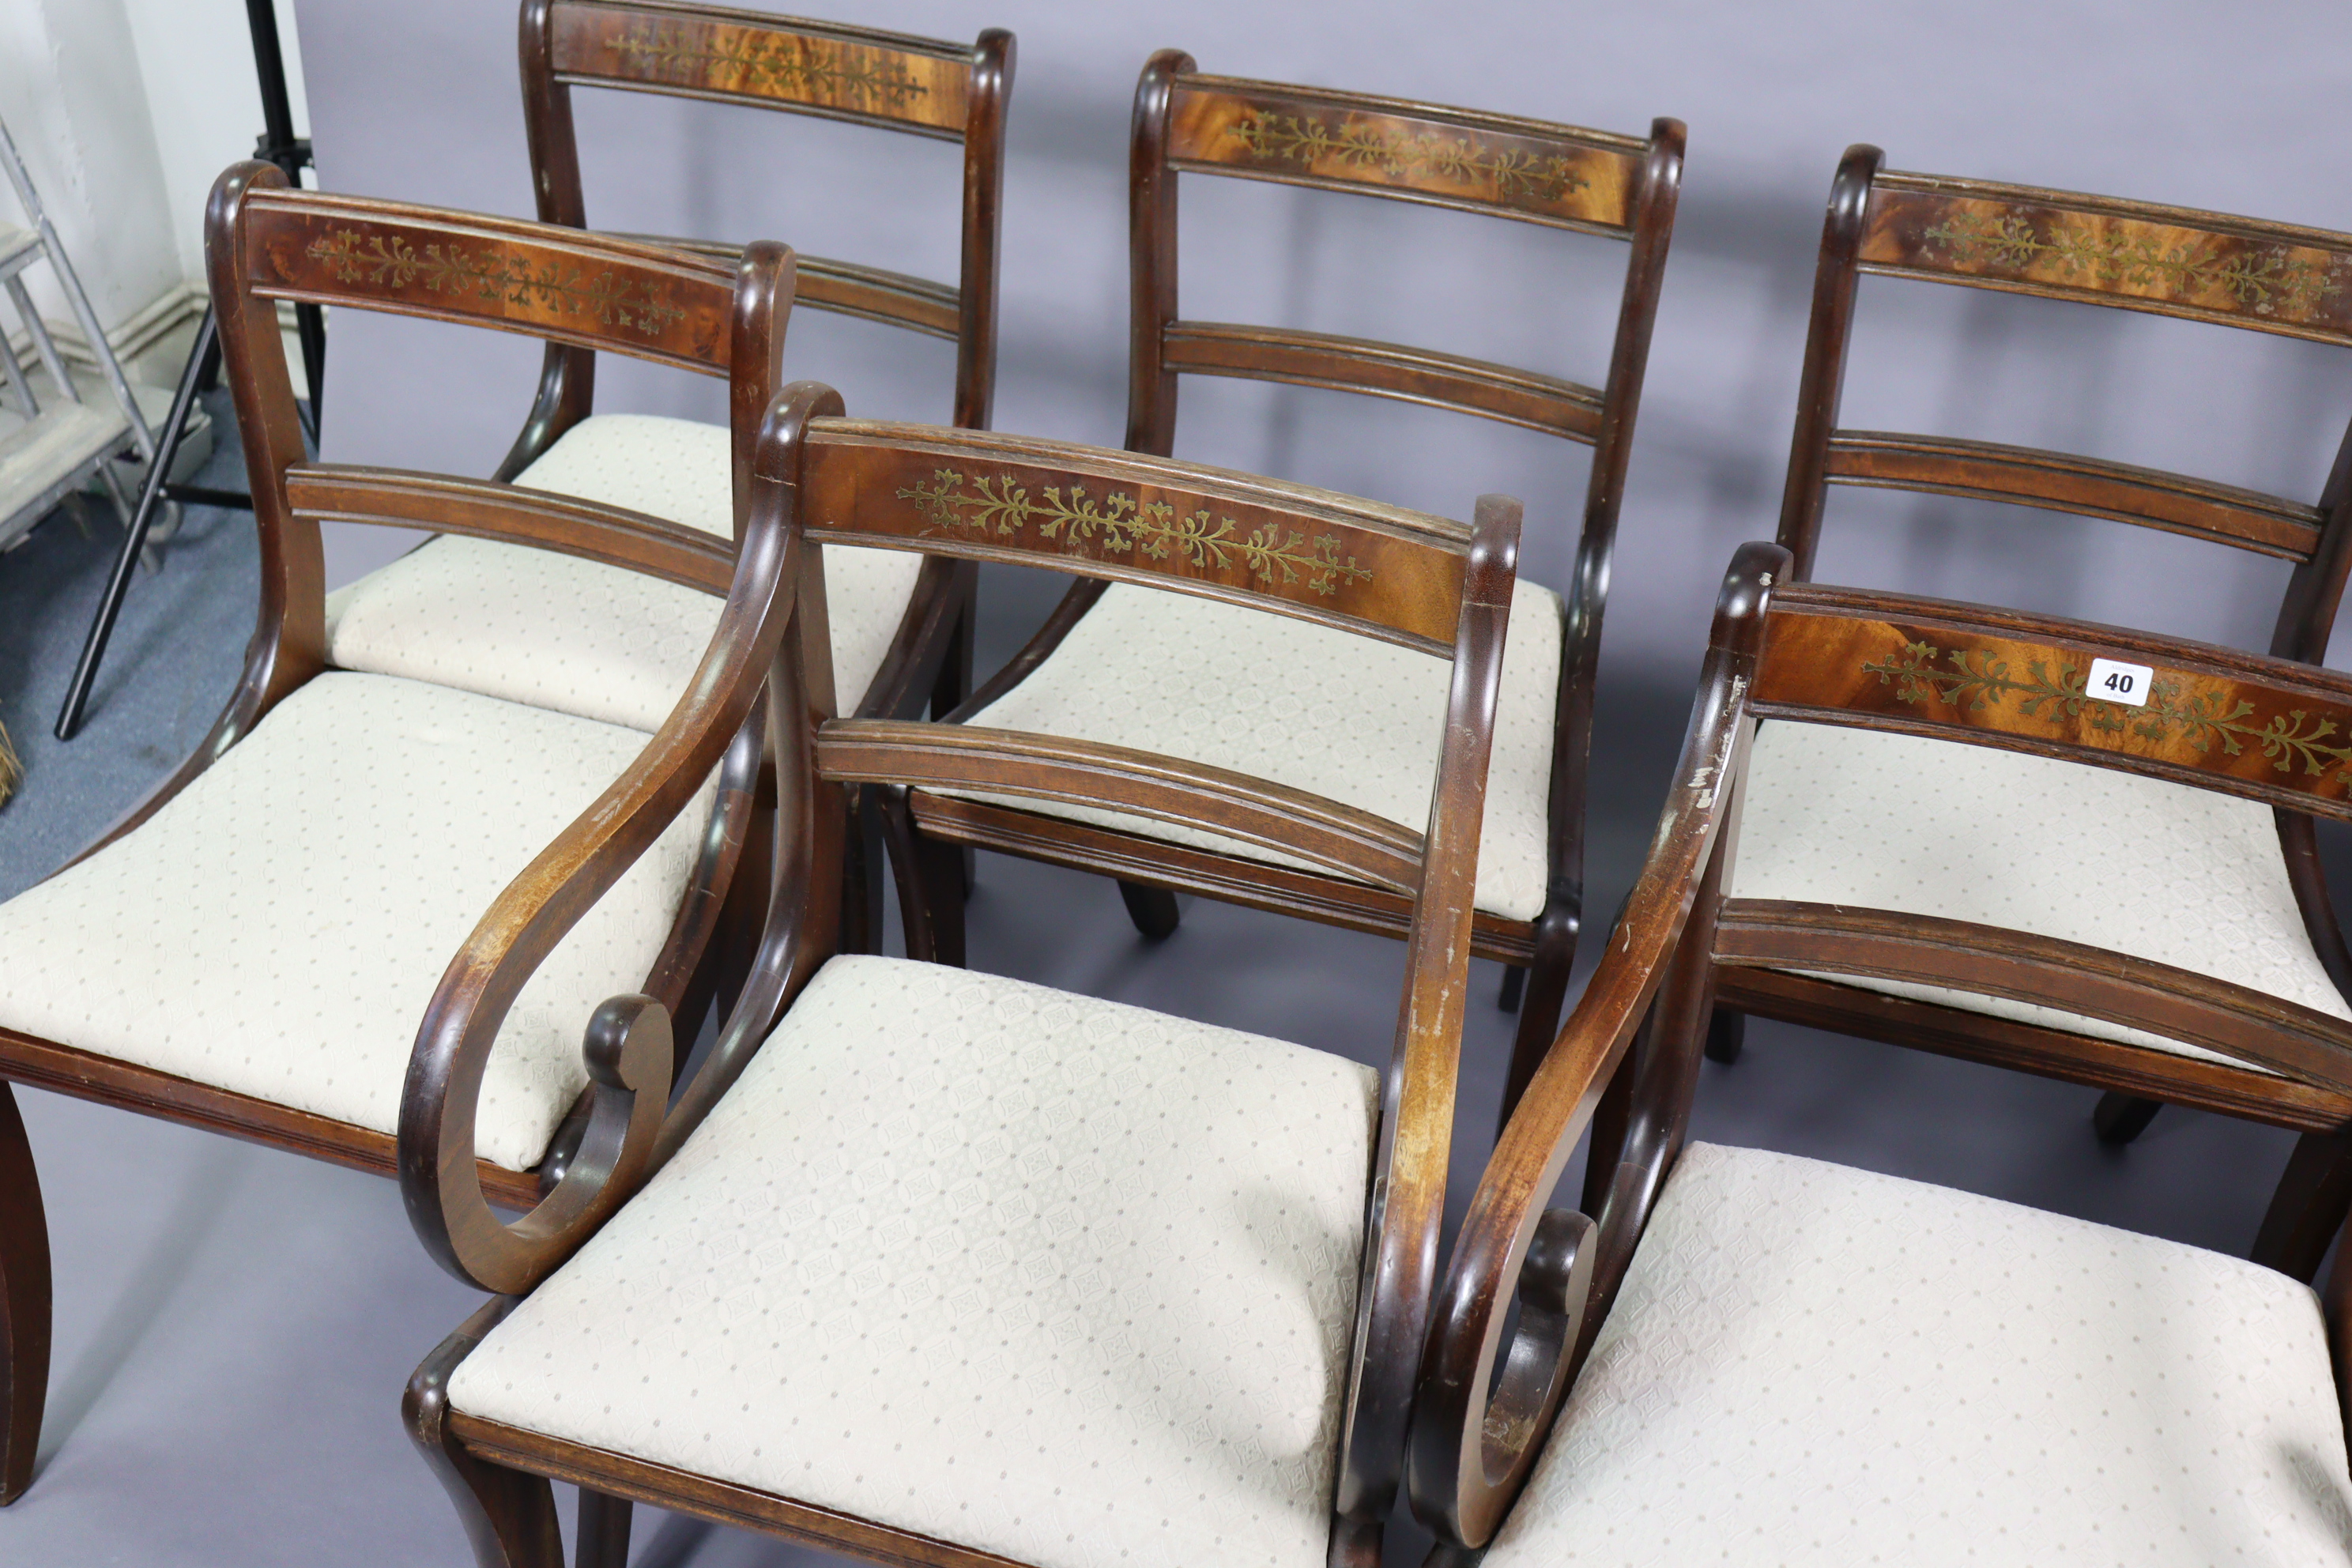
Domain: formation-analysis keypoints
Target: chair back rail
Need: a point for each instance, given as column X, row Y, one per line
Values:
column 2176, row 1003
column 654, row 546
column 2089, row 487
column 1376, row 570
column 1525, row 397
column 2176, row 261
column 266, row 241
column 1043, row 767
column 1560, row 175
column 2087, row 249
column 2267, row 729
column 1526, row 169
column 893, row 81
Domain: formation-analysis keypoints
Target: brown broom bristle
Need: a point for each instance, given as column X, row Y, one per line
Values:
column 11, row 770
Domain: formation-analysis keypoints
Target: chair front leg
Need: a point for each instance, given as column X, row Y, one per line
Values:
column 603, row 1535
column 24, row 1303
column 1545, row 993
column 509, row 1516
column 929, row 875
column 2308, row 1208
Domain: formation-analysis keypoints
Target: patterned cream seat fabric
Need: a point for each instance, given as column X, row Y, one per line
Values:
column 1051, row 1277
column 2186, row 877
column 1814, row 1365
column 580, row 638
column 278, row 928
column 1321, row 710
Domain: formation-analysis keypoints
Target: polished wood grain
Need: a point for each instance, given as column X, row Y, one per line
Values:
column 892, row 81
column 1046, row 767
column 24, row 1303
column 654, row 546
column 1523, row 397
column 1416, row 152
column 1923, row 949
column 2205, row 267
column 812, row 468
column 2088, row 487
column 1184, row 122
column 1483, row 1405
column 1253, row 884
column 2174, row 261
column 1357, row 565
column 2267, row 729
column 629, row 1049
column 2062, row 1054
column 841, row 73
column 1529, row 1287
column 256, row 252
column 640, row 301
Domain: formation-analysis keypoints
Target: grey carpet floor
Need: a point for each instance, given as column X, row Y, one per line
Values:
column 234, row 1325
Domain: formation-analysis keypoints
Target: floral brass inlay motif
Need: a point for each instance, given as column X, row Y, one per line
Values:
column 2264, row 282
column 769, row 64
column 1980, row 681
column 1461, row 159
column 494, row 275
column 1005, row 506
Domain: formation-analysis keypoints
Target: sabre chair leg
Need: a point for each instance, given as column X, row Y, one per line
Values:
column 1515, row 985
column 2120, row 1118
column 603, row 1533
column 954, row 684
column 2309, row 1207
column 1153, row 909
column 509, row 1516
column 925, row 869
column 1727, row 1036
column 1540, row 1006
column 24, row 1303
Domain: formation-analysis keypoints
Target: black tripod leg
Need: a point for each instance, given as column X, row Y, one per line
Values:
column 151, row 495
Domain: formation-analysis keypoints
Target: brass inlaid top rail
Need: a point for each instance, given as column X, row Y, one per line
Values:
column 845, row 287
column 1416, row 152
column 2273, row 730
column 2273, row 277
column 745, row 56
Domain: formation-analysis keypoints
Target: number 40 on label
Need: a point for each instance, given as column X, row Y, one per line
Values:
column 2125, row 685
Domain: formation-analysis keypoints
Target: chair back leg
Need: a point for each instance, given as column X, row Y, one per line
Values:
column 24, row 1303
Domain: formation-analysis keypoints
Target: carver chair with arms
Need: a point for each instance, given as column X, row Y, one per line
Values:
column 581, row 637
column 1833, row 817
column 251, row 949
column 1098, row 668
column 935, row 1266
column 1744, row 1356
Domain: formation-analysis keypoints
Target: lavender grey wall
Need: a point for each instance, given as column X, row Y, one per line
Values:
column 2171, row 102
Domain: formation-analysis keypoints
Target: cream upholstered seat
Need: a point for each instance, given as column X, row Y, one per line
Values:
column 1318, row 709
column 2186, row 877
column 580, row 638
column 1810, row 1364
column 278, row 928
column 1050, row 1276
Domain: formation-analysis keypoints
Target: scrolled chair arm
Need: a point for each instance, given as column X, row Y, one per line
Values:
column 1483, row 1406
column 628, row 1044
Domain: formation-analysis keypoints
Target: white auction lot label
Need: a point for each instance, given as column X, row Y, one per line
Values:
column 2115, row 682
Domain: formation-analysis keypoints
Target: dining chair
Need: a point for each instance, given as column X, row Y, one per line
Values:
column 1733, row 1355
column 1826, row 819
column 938, row 1266
column 249, row 949
column 1097, row 667
column 533, row 627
